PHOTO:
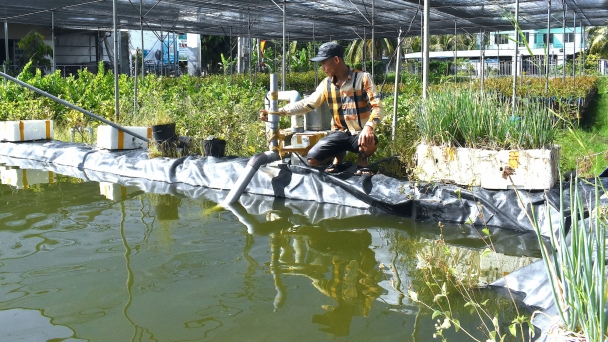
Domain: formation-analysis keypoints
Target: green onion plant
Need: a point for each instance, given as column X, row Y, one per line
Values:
column 467, row 118
column 575, row 262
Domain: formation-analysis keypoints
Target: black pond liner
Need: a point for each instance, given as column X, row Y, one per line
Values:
column 428, row 202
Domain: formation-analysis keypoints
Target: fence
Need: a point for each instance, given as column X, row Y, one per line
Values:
column 532, row 66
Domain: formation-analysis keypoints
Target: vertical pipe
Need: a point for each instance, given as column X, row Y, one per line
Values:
column 52, row 40
column 364, row 49
column 515, row 56
column 250, row 45
column 284, row 51
column 314, row 51
column 397, row 73
column 564, row 7
column 499, row 40
column 135, row 83
column 162, row 49
column 231, row 67
column 373, row 38
column 141, row 28
column 115, row 20
column 175, row 56
column 455, row 52
column 547, row 48
column 574, row 49
column 582, row 63
column 6, row 42
column 273, row 107
column 425, row 49
column 482, row 60
column 6, row 60
column 421, row 42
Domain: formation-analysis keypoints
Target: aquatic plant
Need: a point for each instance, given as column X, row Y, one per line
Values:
column 451, row 285
column 468, row 118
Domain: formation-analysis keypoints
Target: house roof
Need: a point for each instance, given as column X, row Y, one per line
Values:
column 330, row 19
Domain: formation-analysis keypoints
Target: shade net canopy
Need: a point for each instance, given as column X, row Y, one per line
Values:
column 304, row 19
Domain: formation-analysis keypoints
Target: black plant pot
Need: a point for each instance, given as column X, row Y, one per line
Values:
column 214, row 147
column 164, row 137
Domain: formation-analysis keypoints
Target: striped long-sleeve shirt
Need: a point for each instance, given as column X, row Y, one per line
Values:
column 353, row 104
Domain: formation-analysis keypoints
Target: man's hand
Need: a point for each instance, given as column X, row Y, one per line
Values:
column 366, row 137
column 264, row 115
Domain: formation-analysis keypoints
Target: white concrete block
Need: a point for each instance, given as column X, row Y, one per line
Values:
column 530, row 169
column 26, row 130
column 23, row 179
column 110, row 138
column 116, row 192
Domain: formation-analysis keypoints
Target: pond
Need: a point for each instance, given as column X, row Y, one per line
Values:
column 94, row 261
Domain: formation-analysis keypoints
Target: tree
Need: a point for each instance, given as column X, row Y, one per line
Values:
column 212, row 48
column 382, row 47
column 35, row 50
column 598, row 37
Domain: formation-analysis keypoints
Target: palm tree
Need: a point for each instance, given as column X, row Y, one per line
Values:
column 598, row 37
column 382, row 47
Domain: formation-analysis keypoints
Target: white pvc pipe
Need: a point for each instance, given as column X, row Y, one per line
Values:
column 297, row 121
column 272, row 126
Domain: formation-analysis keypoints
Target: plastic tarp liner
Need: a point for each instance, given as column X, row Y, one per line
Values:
column 446, row 203
column 317, row 198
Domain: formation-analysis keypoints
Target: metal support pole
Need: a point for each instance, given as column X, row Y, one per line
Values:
column 175, row 56
column 115, row 20
column 564, row 7
column 395, row 100
column 6, row 59
column 455, row 52
column 284, row 51
column 547, row 48
column 364, row 48
column 162, row 49
column 135, row 83
column 482, row 60
column 574, row 50
column 314, row 51
column 141, row 27
column 515, row 56
column 582, row 63
column 53, row 66
column 499, row 39
column 425, row 49
column 373, row 38
column 231, row 67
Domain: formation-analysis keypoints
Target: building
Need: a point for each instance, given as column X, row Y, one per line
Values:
column 498, row 50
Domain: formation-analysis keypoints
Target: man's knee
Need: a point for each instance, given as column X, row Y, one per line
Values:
column 368, row 150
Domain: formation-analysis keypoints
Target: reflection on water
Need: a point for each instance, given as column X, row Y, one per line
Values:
column 339, row 264
column 111, row 263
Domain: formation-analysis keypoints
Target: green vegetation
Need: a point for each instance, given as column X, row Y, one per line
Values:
column 466, row 118
column 576, row 264
column 35, row 51
column 585, row 147
column 226, row 106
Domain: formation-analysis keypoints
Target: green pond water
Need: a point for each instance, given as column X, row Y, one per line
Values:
column 88, row 261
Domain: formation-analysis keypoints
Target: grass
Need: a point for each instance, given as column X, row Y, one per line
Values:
column 584, row 148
